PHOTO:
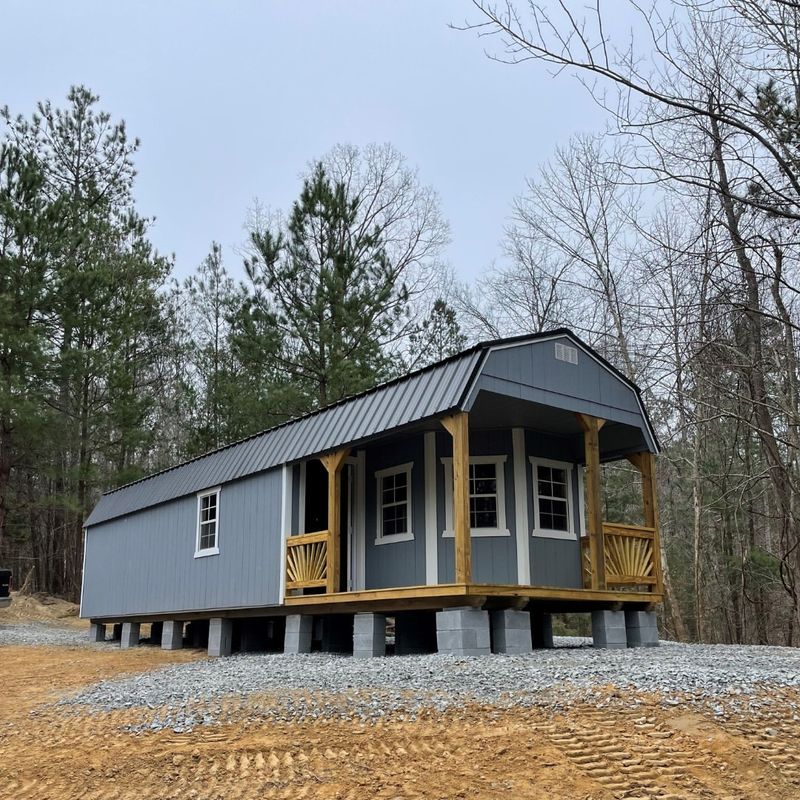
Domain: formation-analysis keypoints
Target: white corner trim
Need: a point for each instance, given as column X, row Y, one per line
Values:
column 521, row 507
column 431, row 523
column 502, row 527
column 83, row 573
column 394, row 538
column 286, row 523
column 581, row 501
column 546, row 533
column 208, row 551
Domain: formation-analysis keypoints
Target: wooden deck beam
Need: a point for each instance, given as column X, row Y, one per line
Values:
column 645, row 462
column 457, row 426
column 408, row 598
column 333, row 463
column 455, row 594
column 594, row 515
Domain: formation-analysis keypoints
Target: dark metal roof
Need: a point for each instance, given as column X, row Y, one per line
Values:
column 426, row 393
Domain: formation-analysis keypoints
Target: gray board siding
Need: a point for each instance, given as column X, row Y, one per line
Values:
column 416, row 398
column 144, row 563
column 530, row 371
column 556, row 563
column 396, row 563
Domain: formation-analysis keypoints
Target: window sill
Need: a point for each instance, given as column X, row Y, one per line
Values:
column 563, row 535
column 395, row 537
column 211, row 551
column 477, row 533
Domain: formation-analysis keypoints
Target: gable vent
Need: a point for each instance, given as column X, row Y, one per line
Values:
column 566, row 353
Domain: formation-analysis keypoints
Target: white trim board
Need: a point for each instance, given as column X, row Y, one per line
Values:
column 83, row 573
column 521, row 507
column 360, row 578
column 431, row 522
column 286, row 524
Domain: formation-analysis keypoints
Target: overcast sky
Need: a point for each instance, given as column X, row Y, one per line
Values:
column 231, row 100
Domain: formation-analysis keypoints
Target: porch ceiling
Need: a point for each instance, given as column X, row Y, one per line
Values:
column 495, row 411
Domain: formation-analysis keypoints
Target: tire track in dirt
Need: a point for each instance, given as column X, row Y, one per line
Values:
column 628, row 766
column 632, row 747
column 775, row 738
column 637, row 755
column 379, row 768
column 437, row 758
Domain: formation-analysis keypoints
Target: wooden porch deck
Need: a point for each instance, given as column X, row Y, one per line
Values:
column 408, row 598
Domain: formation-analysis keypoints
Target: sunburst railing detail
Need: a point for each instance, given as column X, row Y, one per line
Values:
column 306, row 560
column 630, row 556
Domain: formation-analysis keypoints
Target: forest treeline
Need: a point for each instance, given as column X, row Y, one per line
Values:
column 670, row 243
column 111, row 369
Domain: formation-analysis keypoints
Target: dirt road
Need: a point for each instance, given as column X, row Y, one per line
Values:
column 619, row 751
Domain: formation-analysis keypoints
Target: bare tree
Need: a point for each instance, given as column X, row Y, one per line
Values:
column 705, row 97
column 658, row 78
column 394, row 206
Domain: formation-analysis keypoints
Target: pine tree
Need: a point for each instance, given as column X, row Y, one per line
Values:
column 437, row 337
column 29, row 230
column 329, row 288
column 103, row 324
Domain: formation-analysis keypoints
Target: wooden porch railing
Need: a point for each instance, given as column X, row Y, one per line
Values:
column 307, row 560
column 630, row 557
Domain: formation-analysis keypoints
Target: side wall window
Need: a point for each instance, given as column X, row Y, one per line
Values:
column 553, row 499
column 207, row 543
column 394, row 504
column 487, row 496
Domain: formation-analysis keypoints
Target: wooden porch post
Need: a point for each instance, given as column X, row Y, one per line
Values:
column 457, row 426
column 333, row 463
column 594, row 516
column 646, row 464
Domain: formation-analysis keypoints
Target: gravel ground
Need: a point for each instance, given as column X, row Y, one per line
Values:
column 719, row 677
column 34, row 634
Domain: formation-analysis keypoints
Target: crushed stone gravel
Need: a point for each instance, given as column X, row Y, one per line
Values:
column 42, row 634
column 720, row 677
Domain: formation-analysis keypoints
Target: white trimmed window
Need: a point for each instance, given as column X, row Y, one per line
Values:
column 552, row 499
column 487, row 496
column 207, row 543
column 394, row 504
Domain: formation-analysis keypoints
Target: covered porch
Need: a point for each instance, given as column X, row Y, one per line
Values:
column 619, row 562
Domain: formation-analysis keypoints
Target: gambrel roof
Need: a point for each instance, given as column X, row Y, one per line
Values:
column 522, row 367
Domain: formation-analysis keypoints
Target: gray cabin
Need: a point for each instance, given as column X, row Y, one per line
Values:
column 463, row 501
